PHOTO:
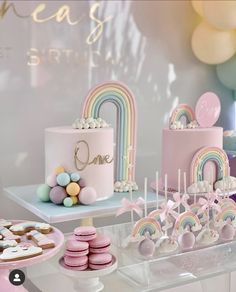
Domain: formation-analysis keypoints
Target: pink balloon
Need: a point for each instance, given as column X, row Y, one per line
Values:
column 208, row 109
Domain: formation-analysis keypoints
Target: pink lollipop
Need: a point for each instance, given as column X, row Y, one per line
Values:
column 208, row 109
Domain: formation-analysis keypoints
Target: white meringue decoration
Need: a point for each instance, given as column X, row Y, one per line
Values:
column 199, row 187
column 229, row 182
column 89, row 123
column 125, row 186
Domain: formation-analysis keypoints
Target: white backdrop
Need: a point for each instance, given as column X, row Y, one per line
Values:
column 48, row 66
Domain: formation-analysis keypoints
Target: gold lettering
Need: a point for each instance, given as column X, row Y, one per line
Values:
column 99, row 159
column 62, row 13
column 5, row 6
column 33, row 58
column 54, row 55
column 97, row 31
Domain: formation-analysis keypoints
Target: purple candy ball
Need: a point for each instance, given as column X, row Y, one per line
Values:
column 82, row 183
column 57, row 195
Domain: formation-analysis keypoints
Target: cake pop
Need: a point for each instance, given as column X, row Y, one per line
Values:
column 227, row 232
column 146, row 247
column 186, row 240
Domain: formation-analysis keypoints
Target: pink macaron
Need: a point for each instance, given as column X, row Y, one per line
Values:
column 100, row 261
column 76, row 248
column 101, row 244
column 81, row 263
column 85, row 233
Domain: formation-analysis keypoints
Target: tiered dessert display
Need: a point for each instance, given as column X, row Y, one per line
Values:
column 86, row 258
column 24, row 243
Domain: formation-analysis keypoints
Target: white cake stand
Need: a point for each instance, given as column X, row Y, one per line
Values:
column 87, row 281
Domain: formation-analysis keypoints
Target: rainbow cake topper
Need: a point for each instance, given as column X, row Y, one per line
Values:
column 187, row 220
column 149, row 225
column 217, row 155
column 227, row 214
column 182, row 110
column 123, row 99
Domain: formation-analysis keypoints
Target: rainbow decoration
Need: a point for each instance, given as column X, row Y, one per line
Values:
column 195, row 208
column 217, row 155
column 156, row 215
column 226, row 203
column 182, row 110
column 228, row 213
column 123, row 99
column 147, row 224
column 186, row 220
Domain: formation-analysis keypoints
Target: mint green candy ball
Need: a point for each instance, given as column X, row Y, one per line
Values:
column 68, row 202
column 43, row 193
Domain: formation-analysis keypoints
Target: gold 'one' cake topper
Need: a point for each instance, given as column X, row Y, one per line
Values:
column 99, row 159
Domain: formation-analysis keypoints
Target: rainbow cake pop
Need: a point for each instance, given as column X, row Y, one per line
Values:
column 146, row 247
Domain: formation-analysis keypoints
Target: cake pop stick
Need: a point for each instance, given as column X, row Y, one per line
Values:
column 179, row 177
column 224, row 187
column 145, row 197
column 157, row 188
column 132, row 211
column 166, row 188
column 195, row 198
column 185, row 184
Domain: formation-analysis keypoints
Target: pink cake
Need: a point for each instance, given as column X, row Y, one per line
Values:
column 180, row 146
column 87, row 151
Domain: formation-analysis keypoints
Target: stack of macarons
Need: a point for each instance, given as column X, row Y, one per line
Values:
column 87, row 249
column 66, row 188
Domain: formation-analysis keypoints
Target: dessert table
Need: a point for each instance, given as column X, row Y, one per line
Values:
column 133, row 274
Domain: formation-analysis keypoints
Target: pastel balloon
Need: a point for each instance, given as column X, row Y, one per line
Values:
column 208, row 109
column 226, row 73
column 87, row 196
column 197, row 6
column 220, row 14
column 213, row 46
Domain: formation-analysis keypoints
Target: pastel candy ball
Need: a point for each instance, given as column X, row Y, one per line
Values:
column 68, row 202
column 74, row 199
column 59, row 169
column 57, row 195
column 51, row 180
column 73, row 189
column 75, row 176
column 43, row 193
column 82, row 183
column 63, row 179
column 87, row 196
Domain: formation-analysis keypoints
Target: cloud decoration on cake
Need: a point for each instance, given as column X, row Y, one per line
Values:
column 123, row 99
column 205, row 154
column 228, row 183
column 199, row 187
column 89, row 123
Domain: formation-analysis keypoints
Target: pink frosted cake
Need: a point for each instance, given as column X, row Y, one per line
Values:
column 180, row 146
column 87, row 151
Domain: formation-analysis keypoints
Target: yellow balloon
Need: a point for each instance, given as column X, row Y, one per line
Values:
column 213, row 46
column 220, row 14
column 197, row 6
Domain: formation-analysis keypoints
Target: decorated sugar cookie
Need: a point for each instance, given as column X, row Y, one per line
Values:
column 8, row 235
column 187, row 220
column 7, row 243
column 5, row 223
column 202, row 216
column 145, row 225
column 20, row 253
column 40, row 239
column 24, row 227
column 228, row 215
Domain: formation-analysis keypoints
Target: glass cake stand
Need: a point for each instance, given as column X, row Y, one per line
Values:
column 162, row 272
